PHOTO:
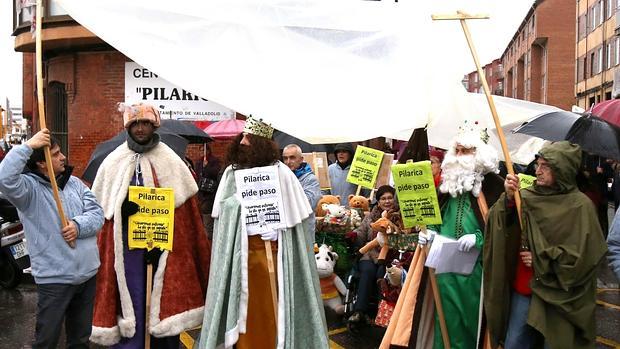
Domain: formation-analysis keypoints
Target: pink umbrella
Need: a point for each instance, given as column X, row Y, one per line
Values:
column 608, row 110
column 225, row 129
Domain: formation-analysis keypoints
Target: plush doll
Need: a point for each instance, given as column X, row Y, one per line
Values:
column 331, row 285
column 335, row 214
column 356, row 219
column 383, row 226
column 359, row 202
column 326, row 199
column 390, row 290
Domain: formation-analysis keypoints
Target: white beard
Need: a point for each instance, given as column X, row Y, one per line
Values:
column 459, row 175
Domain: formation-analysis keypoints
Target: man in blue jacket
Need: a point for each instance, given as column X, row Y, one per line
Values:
column 65, row 276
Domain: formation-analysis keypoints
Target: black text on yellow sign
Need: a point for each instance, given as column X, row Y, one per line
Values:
column 153, row 225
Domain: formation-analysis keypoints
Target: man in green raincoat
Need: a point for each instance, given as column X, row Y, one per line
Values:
column 544, row 296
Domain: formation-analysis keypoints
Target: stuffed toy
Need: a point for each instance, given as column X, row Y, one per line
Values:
column 356, row 218
column 326, row 199
column 383, row 226
column 360, row 202
column 335, row 214
column 395, row 275
column 331, row 285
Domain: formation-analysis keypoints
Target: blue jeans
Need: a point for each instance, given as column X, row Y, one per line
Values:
column 520, row 335
column 72, row 304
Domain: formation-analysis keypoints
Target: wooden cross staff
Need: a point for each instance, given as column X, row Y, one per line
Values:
column 40, row 102
column 463, row 17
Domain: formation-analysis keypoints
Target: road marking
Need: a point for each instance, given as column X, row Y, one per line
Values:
column 332, row 344
column 601, row 290
column 337, row 331
column 607, row 342
column 608, row 305
column 187, row 340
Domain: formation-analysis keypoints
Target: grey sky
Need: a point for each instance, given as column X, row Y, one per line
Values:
column 490, row 36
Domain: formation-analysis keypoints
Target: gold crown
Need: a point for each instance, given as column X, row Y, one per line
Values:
column 258, row 128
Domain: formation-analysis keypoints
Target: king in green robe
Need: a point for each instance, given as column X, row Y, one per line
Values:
column 301, row 320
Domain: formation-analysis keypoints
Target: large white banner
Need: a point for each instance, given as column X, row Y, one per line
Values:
column 142, row 85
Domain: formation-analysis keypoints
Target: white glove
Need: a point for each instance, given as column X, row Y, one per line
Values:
column 424, row 239
column 270, row 235
column 466, row 242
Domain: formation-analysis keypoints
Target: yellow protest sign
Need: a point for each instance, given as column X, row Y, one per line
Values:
column 153, row 225
column 365, row 167
column 416, row 193
column 525, row 181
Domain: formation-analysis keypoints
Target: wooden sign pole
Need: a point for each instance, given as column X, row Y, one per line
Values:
column 40, row 102
column 463, row 17
column 272, row 278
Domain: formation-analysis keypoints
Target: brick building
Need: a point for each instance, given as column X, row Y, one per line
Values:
column 597, row 50
column 539, row 61
column 494, row 74
column 84, row 79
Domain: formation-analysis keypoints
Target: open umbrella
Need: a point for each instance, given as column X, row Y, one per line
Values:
column 284, row 139
column 177, row 143
column 225, row 129
column 608, row 111
column 185, row 129
column 593, row 134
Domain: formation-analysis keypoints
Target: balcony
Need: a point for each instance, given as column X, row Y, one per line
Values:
column 59, row 29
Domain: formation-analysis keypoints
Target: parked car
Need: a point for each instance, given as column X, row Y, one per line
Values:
column 14, row 256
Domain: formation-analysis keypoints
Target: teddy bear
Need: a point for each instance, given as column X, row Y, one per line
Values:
column 390, row 286
column 360, row 207
column 331, row 284
column 359, row 202
column 326, row 199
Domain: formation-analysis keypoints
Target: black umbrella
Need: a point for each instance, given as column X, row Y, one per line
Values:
column 185, row 129
column 284, row 139
column 177, row 143
column 594, row 135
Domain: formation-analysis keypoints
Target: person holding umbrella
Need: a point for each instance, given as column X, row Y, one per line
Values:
column 180, row 275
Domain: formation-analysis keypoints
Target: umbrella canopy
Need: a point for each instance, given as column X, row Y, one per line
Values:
column 594, row 135
column 185, row 129
column 225, row 129
column 284, row 139
column 177, row 143
column 608, row 110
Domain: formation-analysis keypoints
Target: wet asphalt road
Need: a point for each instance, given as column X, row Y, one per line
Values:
column 18, row 308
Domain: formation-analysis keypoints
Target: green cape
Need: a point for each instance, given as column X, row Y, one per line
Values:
column 567, row 245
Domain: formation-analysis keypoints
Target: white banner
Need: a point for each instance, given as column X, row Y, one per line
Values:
column 142, row 85
column 261, row 199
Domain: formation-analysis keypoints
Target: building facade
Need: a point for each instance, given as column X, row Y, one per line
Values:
column 84, row 79
column 597, row 51
column 539, row 62
column 494, row 74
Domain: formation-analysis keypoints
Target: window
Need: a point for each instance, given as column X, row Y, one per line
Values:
column 592, row 64
column 609, row 8
column 617, row 51
column 608, row 56
column 599, row 66
column 57, row 114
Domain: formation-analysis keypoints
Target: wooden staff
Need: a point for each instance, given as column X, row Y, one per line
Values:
column 40, row 102
column 147, row 322
column 272, row 278
column 462, row 17
column 437, row 297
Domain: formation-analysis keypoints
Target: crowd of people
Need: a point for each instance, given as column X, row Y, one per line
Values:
column 533, row 283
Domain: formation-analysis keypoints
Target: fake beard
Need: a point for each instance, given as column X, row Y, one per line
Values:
column 459, row 175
